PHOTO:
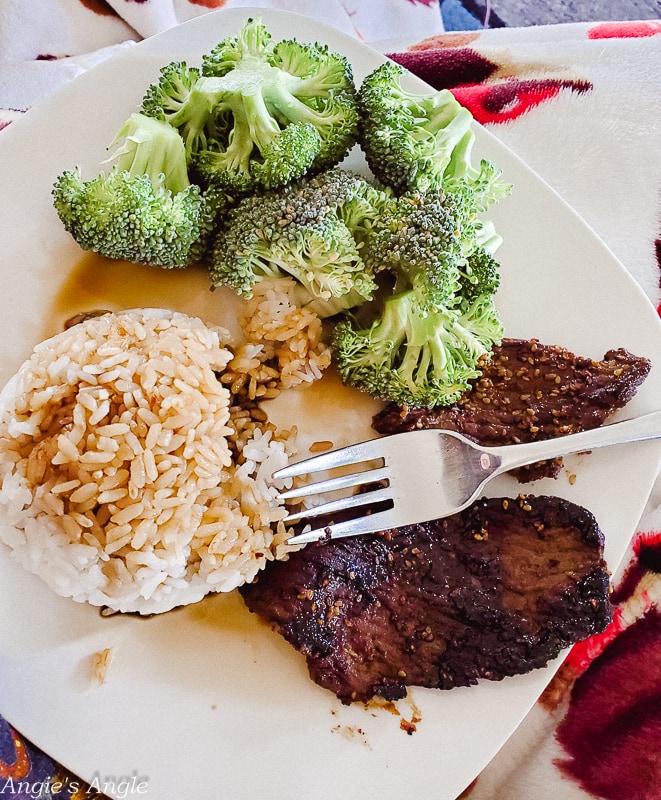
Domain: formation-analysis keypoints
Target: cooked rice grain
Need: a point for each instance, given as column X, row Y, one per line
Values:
column 290, row 336
column 123, row 481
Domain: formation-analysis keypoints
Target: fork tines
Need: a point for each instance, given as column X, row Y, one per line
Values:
column 358, row 455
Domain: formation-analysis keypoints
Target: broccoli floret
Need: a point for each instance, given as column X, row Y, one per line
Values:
column 414, row 354
column 479, row 276
column 408, row 139
column 482, row 186
column 144, row 209
column 357, row 202
column 152, row 148
column 179, row 98
column 419, row 141
column 236, row 170
column 364, row 209
column 428, row 339
column 297, row 231
column 261, row 114
column 480, row 316
column 418, row 238
column 343, row 190
column 432, row 242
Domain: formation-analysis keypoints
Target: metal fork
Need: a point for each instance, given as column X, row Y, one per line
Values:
column 428, row 474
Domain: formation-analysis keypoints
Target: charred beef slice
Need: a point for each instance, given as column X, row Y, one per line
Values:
column 530, row 391
column 496, row 590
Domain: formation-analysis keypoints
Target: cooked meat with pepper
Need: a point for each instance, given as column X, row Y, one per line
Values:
column 497, row 590
column 531, row 391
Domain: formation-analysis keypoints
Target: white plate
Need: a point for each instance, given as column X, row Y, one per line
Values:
column 207, row 701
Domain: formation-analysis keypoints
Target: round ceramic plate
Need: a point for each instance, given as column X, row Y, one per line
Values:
column 207, row 701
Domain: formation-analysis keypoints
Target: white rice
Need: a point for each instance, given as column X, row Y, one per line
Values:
column 291, row 337
column 120, row 483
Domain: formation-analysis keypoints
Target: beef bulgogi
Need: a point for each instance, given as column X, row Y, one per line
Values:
column 530, row 391
column 497, row 590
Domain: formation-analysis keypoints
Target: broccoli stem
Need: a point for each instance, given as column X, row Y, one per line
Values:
column 425, row 353
column 239, row 149
column 263, row 128
column 253, row 91
column 282, row 99
column 460, row 165
column 155, row 149
column 448, row 115
column 388, row 333
column 194, row 115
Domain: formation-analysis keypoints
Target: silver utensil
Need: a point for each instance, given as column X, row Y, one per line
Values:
column 427, row 474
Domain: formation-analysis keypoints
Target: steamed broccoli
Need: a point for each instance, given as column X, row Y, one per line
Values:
column 144, row 209
column 432, row 242
column 414, row 354
column 236, row 170
column 299, row 231
column 259, row 113
column 417, row 237
column 363, row 210
column 179, row 99
column 418, row 141
column 427, row 340
column 479, row 276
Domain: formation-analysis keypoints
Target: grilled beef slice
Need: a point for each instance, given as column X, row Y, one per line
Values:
column 496, row 590
column 530, row 391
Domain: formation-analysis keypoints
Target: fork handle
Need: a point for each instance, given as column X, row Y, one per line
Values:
column 637, row 429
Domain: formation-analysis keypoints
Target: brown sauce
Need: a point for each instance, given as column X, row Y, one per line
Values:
column 96, row 282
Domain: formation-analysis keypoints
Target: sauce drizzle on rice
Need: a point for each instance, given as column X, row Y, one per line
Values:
column 124, row 481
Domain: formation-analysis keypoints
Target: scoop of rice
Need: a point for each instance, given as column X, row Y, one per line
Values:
column 117, row 481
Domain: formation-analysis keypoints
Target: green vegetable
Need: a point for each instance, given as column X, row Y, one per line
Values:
column 426, row 341
column 179, row 99
column 236, row 162
column 303, row 231
column 414, row 353
column 417, row 239
column 260, row 113
column 419, row 141
column 480, row 276
column 144, row 209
